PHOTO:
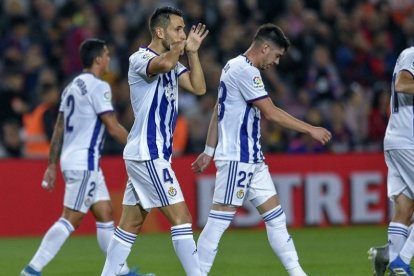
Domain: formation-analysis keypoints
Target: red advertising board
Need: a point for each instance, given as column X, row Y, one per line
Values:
column 317, row 190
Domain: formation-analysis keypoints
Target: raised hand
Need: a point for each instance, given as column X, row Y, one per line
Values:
column 321, row 134
column 201, row 163
column 195, row 37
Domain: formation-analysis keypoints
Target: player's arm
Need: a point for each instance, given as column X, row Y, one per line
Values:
column 49, row 177
column 404, row 82
column 281, row 117
column 166, row 61
column 114, row 128
column 204, row 159
column 193, row 81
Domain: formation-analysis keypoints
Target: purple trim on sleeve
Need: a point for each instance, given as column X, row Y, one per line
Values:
column 256, row 99
column 149, row 49
column 146, row 70
column 182, row 72
column 408, row 72
column 104, row 112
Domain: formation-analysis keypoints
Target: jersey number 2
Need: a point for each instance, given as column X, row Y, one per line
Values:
column 70, row 102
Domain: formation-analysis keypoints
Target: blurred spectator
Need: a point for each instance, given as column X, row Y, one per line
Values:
column 378, row 116
column 340, row 50
column 38, row 124
column 10, row 139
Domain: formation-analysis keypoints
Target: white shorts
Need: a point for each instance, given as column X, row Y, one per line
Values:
column 151, row 184
column 400, row 173
column 237, row 181
column 83, row 189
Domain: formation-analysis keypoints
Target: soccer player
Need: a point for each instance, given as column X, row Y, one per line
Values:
column 234, row 141
column 85, row 112
column 399, row 157
column 154, row 76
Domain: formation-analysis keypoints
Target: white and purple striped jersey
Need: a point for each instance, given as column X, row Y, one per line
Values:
column 238, row 119
column 400, row 129
column 154, row 100
column 83, row 100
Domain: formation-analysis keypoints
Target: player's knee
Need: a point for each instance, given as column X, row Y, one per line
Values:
column 181, row 219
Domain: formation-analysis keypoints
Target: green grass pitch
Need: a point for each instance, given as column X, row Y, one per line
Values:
column 333, row 251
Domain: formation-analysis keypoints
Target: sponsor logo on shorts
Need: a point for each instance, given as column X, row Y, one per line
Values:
column 240, row 194
column 172, row 191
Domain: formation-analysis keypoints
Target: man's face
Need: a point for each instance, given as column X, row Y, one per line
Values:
column 271, row 55
column 105, row 59
column 174, row 31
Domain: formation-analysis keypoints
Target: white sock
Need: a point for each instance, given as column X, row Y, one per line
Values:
column 407, row 250
column 51, row 243
column 280, row 240
column 209, row 238
column 397, row 235
column 118, row 251
column 104, row 233
column 185, row 248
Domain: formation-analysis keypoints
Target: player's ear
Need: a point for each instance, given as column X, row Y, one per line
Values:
column 159, row 32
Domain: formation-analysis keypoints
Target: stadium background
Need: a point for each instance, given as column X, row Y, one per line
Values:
column 336, row 74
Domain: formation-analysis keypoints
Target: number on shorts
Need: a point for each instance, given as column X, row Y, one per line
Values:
column 241, row 183
column 92, row 189
column 167, row 176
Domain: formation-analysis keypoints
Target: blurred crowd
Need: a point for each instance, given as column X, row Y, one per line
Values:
column 336, row 74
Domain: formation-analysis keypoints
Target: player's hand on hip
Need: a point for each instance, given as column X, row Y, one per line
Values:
column 49, row 178
column 201, row 163
column 321, row 134
column 195, row 37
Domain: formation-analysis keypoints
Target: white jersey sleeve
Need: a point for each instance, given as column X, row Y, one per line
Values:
column 400, row 128
column 251, row 85
column 101, row 99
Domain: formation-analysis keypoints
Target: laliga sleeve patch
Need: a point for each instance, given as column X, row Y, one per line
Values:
column 257, row 82
column 147, row 56
column 107, row 96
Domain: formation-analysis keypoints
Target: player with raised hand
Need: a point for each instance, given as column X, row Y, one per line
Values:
column 154, row 76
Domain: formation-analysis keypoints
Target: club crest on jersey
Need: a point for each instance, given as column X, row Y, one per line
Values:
column 240, row 194
column 107, row 96
column 172, row 191
column 257, row 82
column 169, row 92
column 412, row 65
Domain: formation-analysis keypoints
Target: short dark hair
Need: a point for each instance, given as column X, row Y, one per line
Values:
column 89, row 50
column 272, row 33
column 161, row 17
